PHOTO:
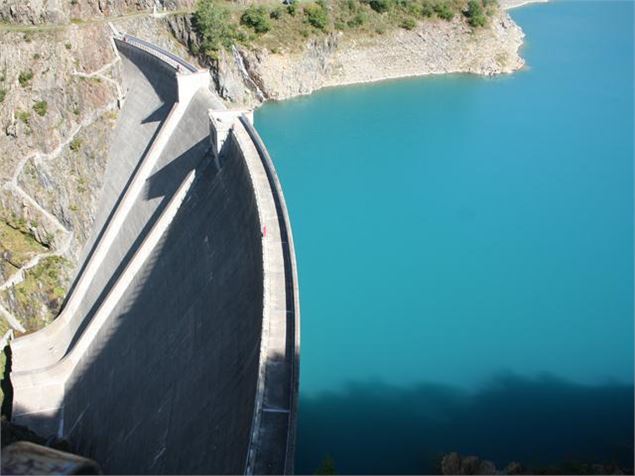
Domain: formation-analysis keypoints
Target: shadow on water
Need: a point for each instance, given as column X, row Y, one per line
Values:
column 376, row 428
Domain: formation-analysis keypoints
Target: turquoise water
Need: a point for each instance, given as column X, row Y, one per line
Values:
column 465, row 250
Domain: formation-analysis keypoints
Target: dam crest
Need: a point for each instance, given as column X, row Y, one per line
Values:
column 177, row 347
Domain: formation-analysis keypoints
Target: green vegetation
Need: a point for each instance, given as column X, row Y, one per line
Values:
column 427, row 9
column 44, row 283
column 3, row 94
column 475, row 14
column 408, row 23
column 41, row 107
column 23, row 116
column 25, row 77
column 292, row 7
column 212, row 21
column 277, row 13
column 75, row 144
column 17, row 246
column 380, row 6
column 256, row 17
column 443, row 10
column 317, row 15
column 221, row 24
column 68, row 45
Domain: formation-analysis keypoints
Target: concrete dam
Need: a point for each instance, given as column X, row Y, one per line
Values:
column 177, row 347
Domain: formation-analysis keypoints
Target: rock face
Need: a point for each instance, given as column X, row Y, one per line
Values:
column 58, row 109
column 63, row 11
column 248, row 76
column 61, row 87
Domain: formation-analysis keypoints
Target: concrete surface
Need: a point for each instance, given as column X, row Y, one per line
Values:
column 272, row 444
column 147, row 105
column 182, row 356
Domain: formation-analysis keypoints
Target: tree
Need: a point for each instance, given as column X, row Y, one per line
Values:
column 475, row 14
column 317, row 15
column 212, row 24
column 380, row 6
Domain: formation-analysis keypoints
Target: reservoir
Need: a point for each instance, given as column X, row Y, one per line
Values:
column 465, row 255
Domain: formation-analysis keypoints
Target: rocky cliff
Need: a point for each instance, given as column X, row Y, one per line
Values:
column 249, row 76
column 60, row 88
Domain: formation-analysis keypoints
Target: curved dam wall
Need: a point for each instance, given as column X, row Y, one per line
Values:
column 172, row 390
column 184, row 356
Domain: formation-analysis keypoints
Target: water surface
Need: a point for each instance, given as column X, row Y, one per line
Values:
column 465, row 251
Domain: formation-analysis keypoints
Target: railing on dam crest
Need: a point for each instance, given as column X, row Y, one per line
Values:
column 176, row 62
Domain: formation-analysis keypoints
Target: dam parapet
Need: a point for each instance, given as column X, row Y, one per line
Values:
column 272, row 440
column 177, row 350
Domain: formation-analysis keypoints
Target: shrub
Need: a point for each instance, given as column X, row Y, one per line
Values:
column 40, row 108
column 36, row 56
column 277, row 13
column 256, row 18
column 427, row 9
column 75, row 144
column 292, row 7
column 380, row 6
column 412, row 8
column 316, row 16
column 25, row 78
column 68, row 45
column 443, row 10
column 408, row 23
column 3, row 94
column 23, row 116
column 212, row 23
column 358, row 20
column 475, row 14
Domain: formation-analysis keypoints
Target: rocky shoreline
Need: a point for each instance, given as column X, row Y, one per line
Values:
column 249, row 76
